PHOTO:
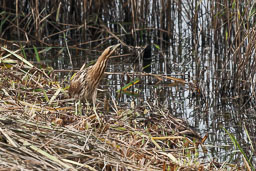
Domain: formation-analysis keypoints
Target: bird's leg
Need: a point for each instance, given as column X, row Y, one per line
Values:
column 87, row 106
column 94, row 107
column 84, row 107
column 96, row 114
column 78, row 108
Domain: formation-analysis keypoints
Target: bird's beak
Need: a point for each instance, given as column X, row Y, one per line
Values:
column 113, row 48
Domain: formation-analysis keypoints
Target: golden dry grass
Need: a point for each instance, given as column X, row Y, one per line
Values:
column 40, row 131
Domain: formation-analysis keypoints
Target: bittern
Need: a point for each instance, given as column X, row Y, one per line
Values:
column 84, row 84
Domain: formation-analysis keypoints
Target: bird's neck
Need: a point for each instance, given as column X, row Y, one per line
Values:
column 100, row 65
column 102, row 58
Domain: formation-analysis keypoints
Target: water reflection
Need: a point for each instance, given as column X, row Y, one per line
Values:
column 208, row 109
column 210, row 104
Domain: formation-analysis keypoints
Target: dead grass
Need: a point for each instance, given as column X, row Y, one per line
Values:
column 40, row 131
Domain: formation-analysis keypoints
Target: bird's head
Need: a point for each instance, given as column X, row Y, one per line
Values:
column 110, row 50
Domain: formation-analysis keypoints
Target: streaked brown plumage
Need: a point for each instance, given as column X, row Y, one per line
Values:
column 84, row 84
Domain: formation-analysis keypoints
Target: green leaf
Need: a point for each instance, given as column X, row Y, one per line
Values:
column 234, row 4
column 45, row 96
column 23, row 52
column 45, row 49
column 237, row 145
column 37, row 55
column 226, row 35
column 157, row 46
column 58, row 12
column 129, row 85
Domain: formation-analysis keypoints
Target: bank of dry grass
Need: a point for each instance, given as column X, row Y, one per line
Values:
column 39, row 130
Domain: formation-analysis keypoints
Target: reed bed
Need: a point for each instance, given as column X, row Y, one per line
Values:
column 39, row 130
column 197, row 35
column 210, row 45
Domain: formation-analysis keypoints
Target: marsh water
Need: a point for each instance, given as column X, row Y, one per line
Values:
column 209, row 44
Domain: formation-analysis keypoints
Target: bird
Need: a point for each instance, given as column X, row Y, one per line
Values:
column 84, row 84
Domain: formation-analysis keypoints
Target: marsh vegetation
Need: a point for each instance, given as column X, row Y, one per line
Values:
column 178, row 94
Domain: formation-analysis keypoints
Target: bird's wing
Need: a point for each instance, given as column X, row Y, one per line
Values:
column 74, row 87
column 76, row 83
